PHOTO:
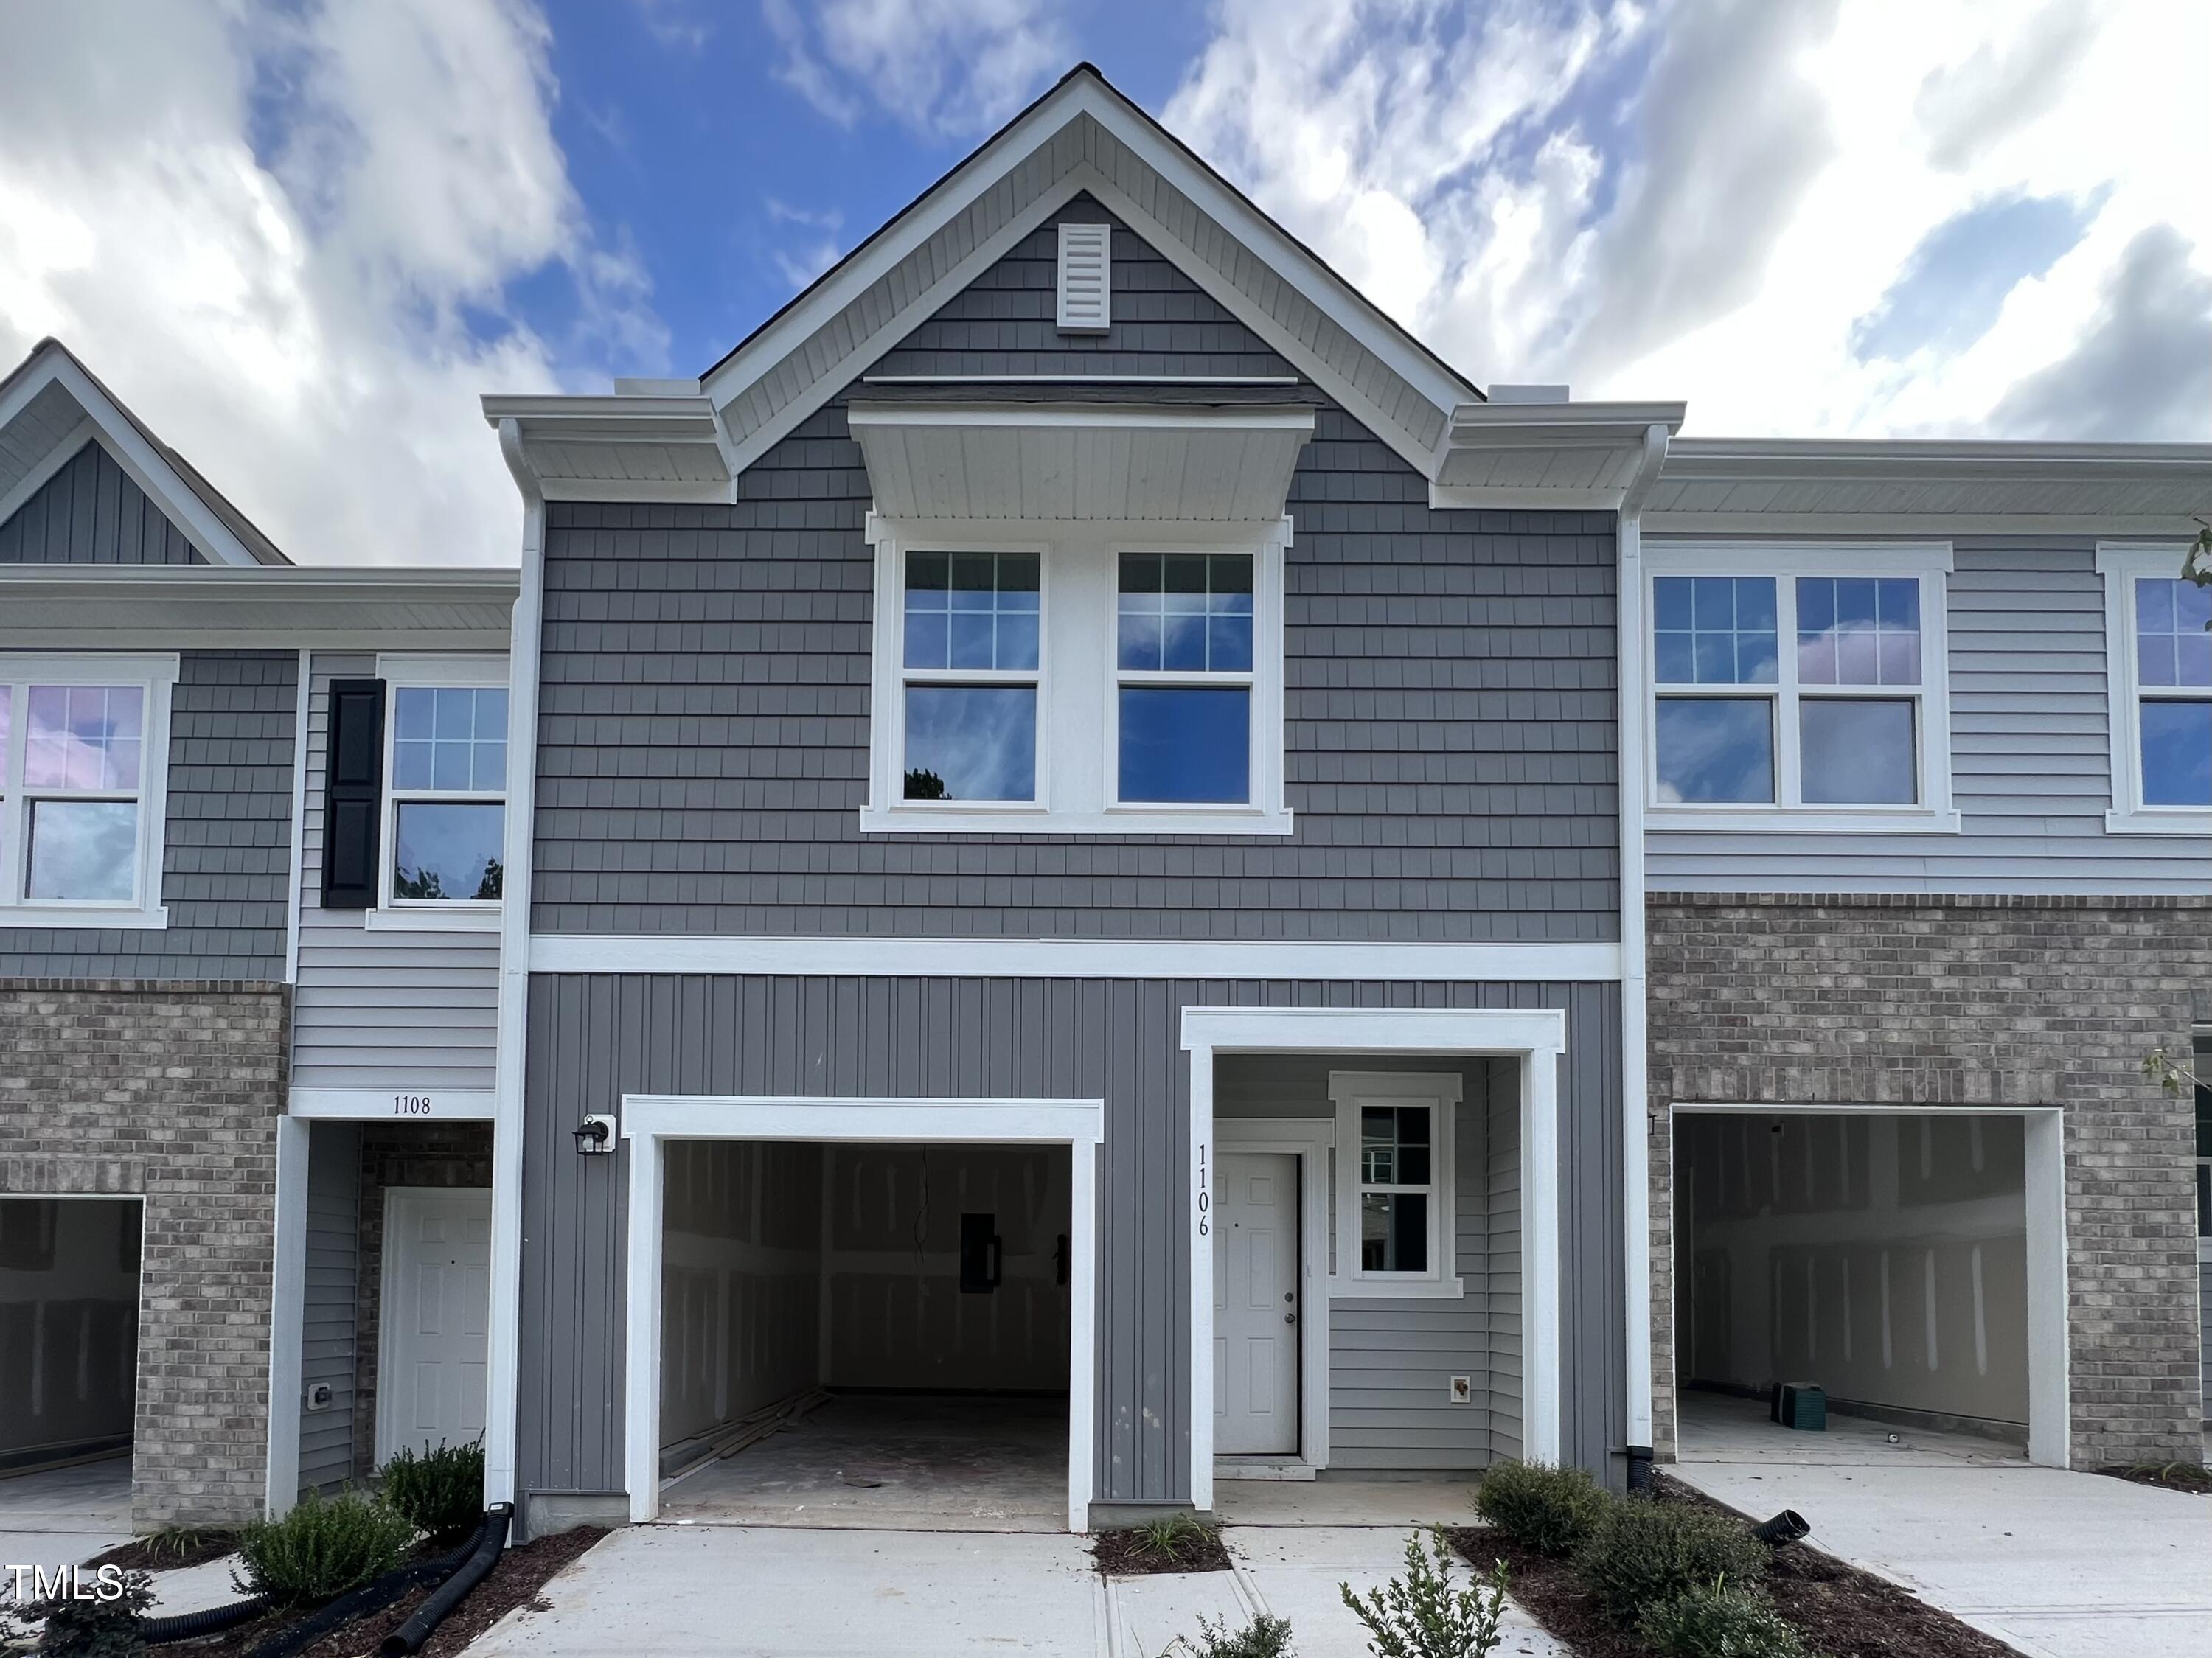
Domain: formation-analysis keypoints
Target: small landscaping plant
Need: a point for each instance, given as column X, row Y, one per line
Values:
column 439, row 1491
column 1719, row 1620
column 1263, row 1638
column 322, row 1548
column 1176, row 1543
column 1644, row 1552
column 1421, row 1615
column 95, row 1627
column 1553, row 1510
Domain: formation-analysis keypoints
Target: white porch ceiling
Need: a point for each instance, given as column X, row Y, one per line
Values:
column 1113, row 463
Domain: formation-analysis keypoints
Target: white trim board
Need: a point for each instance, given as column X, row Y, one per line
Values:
column 1309, row 1140
column 2049, row 1361
column 287, row 1291
column 650, row 1120
column 1536, row 1038
column 394, row 1105
column 1072, row 959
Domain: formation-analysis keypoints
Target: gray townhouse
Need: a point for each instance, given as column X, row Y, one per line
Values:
column 1087, row 866
column 247, row 1022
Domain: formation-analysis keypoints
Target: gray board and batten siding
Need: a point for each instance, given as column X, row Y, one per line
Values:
column 1450, row 699
column 376, row 1009
column 2030, row 760
column 92, row 512
column 329, row 1302
column 1391, row 1360
column 227, row 850
column 593, row 1038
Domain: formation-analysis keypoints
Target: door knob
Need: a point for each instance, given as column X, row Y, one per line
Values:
column 1290, row 1318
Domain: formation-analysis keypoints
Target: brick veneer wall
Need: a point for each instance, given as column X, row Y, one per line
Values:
column 1918, row 1001
column 442, row 1154
column 171, row 1092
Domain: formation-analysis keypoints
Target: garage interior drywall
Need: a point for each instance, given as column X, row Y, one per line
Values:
column 1391, row 1359
column 791, row 1267
column 69, row 1326
column 1882, row 1257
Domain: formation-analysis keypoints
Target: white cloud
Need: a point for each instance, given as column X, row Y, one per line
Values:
column 268, row 231
column 946, row 67
column 1715, row 232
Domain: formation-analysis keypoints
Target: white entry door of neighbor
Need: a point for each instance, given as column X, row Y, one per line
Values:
column 436, row 1306
column 1255, row 1305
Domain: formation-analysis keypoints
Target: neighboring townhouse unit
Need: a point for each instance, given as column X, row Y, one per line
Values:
column 1926, row 733
column 1071, row 866
column 213, row 1078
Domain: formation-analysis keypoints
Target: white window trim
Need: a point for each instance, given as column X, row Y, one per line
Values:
column 1073, row 634
column 157, row 677
column 396, row 915
column 1348, row 1090
column 1931, row 562
column 2120, row 563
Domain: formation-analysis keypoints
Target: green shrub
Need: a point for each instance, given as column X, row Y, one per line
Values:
column 1263, row 1638
column 103, row 1625
column 1644, row 1552
column 1550, row 1509
column 1719, row 1620
column 321, row 1549
column 1421, row 1615
column 440, row 1491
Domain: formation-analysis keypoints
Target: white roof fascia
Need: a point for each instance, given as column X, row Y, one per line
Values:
column 1918, row 459
column 207, row 534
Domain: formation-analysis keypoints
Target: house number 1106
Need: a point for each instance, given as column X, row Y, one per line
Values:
column 411, row 1105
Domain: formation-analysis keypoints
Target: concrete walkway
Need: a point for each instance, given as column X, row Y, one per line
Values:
column 2059, row 1564
column 739, row 1591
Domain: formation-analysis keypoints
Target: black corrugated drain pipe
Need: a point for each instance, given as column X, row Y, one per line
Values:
column 408, row 1637
column 1786, row 1526
column 210, row 1620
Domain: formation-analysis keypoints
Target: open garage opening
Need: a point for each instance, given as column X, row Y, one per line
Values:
column 1898, row 1263
column 69, row 1336
column 865, row 1334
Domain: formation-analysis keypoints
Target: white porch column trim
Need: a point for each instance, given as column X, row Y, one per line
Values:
column 649, row 1121
column 287, row 1313
column 1536, row 1038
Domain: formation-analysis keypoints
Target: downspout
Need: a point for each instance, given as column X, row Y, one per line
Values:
column 1635, row 1079
column 504, row 1330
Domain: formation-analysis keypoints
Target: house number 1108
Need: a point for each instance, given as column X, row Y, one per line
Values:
column 411, row 1105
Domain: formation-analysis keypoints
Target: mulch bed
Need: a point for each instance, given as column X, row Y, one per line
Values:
column 522, row 1571
column 1842, row 1612
column 143, row 1554
column 1131, row 1553
column 2189, row 1477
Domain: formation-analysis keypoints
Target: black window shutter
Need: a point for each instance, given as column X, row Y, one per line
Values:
column 353, row 802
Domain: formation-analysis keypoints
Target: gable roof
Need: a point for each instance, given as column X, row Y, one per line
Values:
column 1085, row 137
column 51, row 405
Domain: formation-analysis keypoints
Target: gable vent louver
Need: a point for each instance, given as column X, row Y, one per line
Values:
column 1086, row 273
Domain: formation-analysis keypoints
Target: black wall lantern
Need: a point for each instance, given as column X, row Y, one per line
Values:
column 595, row 1137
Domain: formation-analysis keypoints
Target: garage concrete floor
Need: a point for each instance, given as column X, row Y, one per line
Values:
column 64, row 1515
column 2060, row 1564
column 1722, row 1428
column 918, row 1462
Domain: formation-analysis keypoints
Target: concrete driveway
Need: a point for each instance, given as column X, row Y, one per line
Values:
column 742, row 1591
column 2059, row 1564
column 63, row 1517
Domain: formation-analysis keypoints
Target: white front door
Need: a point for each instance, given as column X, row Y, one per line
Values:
column 1255, row 1305
column 435, row 1312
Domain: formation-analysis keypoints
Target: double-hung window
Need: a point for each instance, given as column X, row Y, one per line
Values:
column 83, row 754
column 1798, row 688
column 1394, row 1200
column 446, row 801
column 1082, row 682
column 2159, row 659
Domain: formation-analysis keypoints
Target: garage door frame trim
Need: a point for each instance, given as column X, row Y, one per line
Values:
column 648, row 1120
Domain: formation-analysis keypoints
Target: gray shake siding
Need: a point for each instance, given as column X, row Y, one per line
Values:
column 227, row 850
column 2030, row 760
column 91, row 512
column 593, row 1038
column 380, row 1010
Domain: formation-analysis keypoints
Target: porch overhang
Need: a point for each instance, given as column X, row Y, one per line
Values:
column 1115, row 462
column 1563, row 456
column 665, row 446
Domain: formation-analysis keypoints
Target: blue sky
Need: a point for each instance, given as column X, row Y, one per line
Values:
column 302, row 238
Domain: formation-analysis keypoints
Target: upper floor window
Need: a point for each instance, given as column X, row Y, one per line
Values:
column 84, row 759
column 445, row 799
column 2159, row 661
column 1078, row 684
column 1798, row 688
